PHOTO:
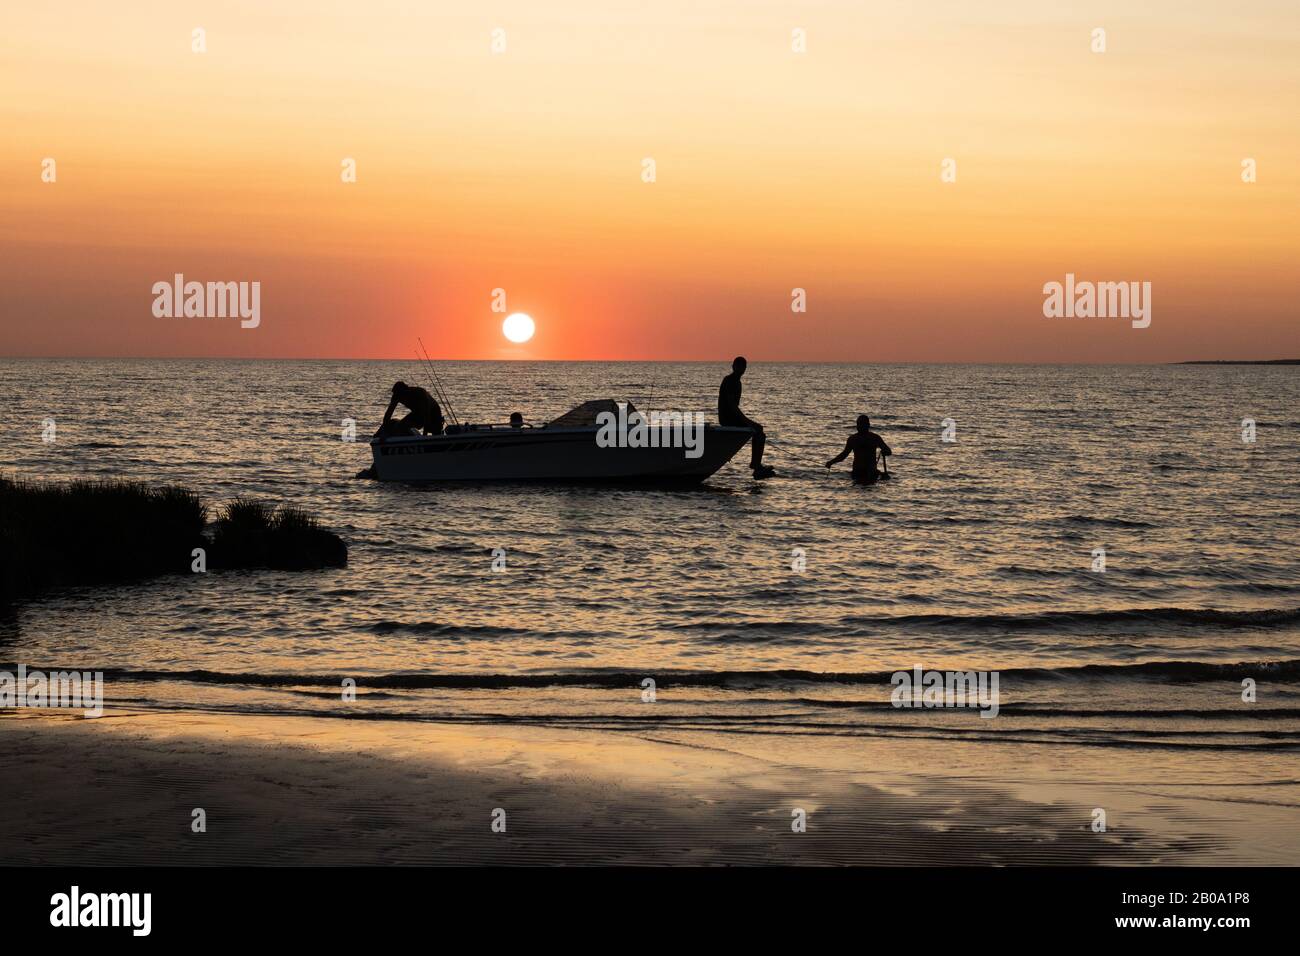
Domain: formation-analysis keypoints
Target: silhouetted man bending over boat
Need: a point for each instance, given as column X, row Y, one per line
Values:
column 729, row 413
column 425, row 415
column 864, row 444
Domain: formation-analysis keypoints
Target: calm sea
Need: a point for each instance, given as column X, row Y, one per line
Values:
column 979, row 555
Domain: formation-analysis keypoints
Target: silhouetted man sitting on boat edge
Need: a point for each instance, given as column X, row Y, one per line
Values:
column 729, row 413
column 864, row 444
column 425, row 415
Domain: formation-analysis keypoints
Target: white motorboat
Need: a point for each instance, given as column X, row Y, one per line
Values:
column 566, row 449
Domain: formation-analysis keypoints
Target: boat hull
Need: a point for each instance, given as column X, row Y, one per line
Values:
column 548, row 454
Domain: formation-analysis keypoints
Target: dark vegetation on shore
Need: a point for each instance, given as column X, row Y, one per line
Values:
column 112, row 532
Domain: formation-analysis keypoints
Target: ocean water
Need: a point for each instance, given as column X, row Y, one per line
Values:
column 977, row 555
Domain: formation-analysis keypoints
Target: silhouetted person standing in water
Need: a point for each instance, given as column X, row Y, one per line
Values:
column 729, row 413
column 425, row 415
column 864, row 444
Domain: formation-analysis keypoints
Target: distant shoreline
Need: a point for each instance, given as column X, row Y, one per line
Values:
column 1241, row 362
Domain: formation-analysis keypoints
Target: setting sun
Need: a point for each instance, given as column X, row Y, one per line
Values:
column 518, row 327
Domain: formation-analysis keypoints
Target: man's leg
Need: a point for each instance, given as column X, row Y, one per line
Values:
column 410, row 425
column 756, row 445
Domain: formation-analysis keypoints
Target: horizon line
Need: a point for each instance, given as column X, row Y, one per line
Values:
column 709, row 361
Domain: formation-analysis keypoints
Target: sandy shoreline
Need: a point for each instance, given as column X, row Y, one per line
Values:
column 290, row 790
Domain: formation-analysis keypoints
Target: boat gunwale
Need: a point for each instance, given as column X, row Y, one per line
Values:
column 506, row 431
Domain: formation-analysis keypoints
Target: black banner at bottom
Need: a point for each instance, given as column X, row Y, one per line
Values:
column 306, row 904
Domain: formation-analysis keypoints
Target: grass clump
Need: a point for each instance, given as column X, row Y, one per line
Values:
column 252, row 533
column 93, row 532
column 112, row 532
column 291, row 520
column 248, row 514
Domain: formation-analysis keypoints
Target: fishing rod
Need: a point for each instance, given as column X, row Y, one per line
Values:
column 439, row 391
column 798, row 458
column 433, row 384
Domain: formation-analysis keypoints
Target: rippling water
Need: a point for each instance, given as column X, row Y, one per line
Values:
column 977, row 555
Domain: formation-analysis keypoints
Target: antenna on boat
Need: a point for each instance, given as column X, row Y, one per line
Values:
column 438, row 390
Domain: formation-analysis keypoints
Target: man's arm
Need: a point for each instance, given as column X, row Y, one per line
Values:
column 884, row 447
column 848, row 447
column 392, row 406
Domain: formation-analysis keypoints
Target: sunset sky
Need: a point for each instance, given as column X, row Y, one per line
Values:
column 775, row 170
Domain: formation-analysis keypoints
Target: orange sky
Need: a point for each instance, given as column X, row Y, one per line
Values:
column 522, row 169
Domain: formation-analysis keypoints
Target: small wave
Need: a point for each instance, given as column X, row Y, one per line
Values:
column 1259, row 587
column 1215, row 740
column 1173, row 671
column 760, row 629
column 1015, row 571
column 941, row 520
column 1096, row 522
column 884, row 705
column 437, row 629
column 1178, row 616
column 1176, row 671
column 457, row 548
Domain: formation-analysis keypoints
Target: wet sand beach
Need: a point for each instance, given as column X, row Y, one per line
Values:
column 282, row 790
